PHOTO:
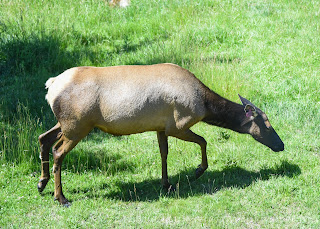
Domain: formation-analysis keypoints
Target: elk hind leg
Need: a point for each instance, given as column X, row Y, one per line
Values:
column 60, row 150
column 46, row 140
column 66, row 143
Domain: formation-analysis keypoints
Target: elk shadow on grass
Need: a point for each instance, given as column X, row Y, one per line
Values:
column 186, row 184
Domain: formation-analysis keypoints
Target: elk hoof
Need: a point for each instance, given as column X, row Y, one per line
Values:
column 42, row 184
column 199, row 171
column 67, row 204
column 63, row 201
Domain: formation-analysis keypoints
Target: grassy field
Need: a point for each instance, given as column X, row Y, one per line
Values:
column 267, row 51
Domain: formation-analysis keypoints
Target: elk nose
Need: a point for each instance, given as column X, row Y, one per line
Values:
column 279, row 147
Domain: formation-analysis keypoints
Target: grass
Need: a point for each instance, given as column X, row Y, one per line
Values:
column 267, row 51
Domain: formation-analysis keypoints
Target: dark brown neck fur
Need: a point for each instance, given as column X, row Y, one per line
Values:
column 224, row 113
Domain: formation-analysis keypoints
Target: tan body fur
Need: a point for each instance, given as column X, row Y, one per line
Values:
column 125, row 100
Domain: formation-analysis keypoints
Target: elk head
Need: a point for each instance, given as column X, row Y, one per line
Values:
column 259, row 126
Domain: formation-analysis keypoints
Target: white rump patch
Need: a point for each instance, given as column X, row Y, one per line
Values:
column 57, row 84
column 49, row 82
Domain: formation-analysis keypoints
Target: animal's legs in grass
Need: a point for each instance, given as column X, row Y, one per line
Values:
column 189, row 136
column 163, row 145
column 60, row 150
column 46, row 140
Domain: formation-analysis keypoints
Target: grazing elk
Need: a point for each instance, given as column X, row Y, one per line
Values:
column 124, row 100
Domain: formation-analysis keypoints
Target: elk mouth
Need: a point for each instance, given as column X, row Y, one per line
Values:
column 275, row 146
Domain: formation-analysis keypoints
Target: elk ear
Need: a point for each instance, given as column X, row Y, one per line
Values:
column 249, row 108
column 245, row 101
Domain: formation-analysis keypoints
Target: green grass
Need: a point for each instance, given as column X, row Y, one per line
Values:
column 267, row 51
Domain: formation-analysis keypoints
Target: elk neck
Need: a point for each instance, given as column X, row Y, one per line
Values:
column 224, row 113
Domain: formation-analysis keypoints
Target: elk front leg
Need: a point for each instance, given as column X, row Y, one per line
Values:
column 189, row 136
column 163, row 145
column 46, row 140
column 204, row 161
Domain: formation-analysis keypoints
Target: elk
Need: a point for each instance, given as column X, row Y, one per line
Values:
column 120, row 3
column 123, row 100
